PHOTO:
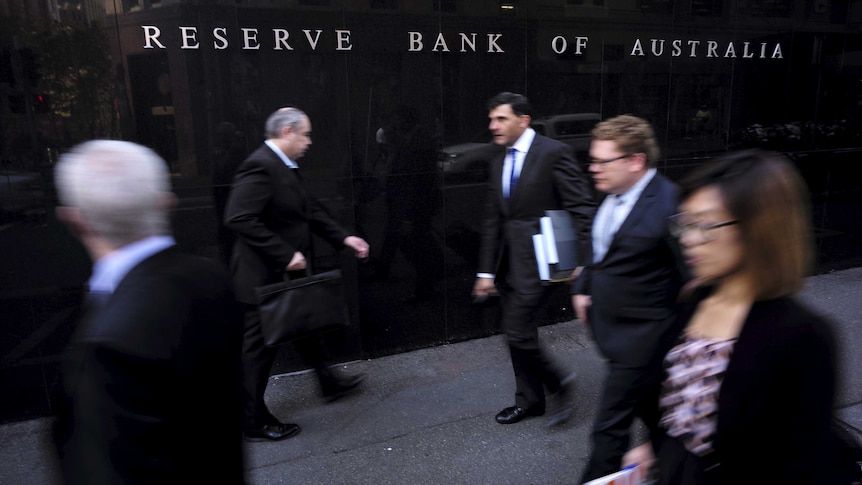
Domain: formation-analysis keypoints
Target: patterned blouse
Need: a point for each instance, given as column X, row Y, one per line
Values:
column 689, row 396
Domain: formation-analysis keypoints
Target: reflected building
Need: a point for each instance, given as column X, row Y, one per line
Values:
column 195, row 81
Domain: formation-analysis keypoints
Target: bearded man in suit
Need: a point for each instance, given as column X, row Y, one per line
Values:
column 274, row 218
column 535, row 174
column 153, row 369
column 627, row 294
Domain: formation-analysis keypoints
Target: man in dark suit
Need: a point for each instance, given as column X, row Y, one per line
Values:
column 274, row 218
column 546, row 176
column 627, row 295
column 153, row 369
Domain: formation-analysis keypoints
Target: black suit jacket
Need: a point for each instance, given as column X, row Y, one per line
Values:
column 273, row 217
column 152, row 380
column 635, row 286
column 550, row 179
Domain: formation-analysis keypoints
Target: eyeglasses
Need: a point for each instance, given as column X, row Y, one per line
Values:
column 679, row 225
column 594, row 161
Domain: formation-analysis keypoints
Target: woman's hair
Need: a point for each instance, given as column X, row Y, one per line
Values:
column 631, row 134
column 764, row 192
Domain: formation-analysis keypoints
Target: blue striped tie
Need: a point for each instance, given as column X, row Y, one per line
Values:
column 513, row 176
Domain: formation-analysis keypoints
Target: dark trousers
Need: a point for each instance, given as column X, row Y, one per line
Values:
column 534, row 371
column 257, row 364
column 618, row 406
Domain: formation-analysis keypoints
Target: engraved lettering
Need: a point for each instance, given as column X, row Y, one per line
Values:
column 151, row 35
column 189, row 34
column 415, row 41
column 343, row 40
column 220, row 41
column 312, row 42
column 468, row 41
column 492, row 43
column 657, row 51
column 440, row 44
column 281, row 36
column 249, row 37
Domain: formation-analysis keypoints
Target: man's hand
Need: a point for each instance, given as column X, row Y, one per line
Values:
column 641, row 455
column 582, row 304
column 483, row 288
column 358, row 245
column 297, row 262
column 574, row 275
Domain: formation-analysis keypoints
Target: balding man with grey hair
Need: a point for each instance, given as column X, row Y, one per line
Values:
column 274, row 218
column 154, row 365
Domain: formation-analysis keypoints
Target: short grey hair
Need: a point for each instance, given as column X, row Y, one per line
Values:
column 282, row 117
column 118, row 186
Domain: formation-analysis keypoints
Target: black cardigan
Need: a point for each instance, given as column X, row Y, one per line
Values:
column 775, row 404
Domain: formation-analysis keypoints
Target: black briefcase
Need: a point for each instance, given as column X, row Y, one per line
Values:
column 303, row 306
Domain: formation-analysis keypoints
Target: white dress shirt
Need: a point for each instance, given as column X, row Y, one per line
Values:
column 522, row 146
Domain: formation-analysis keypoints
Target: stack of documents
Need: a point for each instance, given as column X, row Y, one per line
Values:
column 556, row 247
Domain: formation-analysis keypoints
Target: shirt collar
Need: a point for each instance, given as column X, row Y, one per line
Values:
column 634, row 192
column 109, row 270
column 525, row 140
column 284, row 158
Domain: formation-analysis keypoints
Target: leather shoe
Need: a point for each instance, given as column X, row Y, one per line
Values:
column 272, row 432
column 514, row 414
column 342, row 387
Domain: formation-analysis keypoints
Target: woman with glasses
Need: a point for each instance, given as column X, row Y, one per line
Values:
column 746, row 392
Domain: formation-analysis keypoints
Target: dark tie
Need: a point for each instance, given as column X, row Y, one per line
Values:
column 513, row 176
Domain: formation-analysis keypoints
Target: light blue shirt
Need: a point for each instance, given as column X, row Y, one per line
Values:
column 109, row 270
column 284, row 158
column 613, row 212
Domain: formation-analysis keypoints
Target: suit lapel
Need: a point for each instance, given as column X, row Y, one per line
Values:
column 639, row 210
column 288, row 177
column 496, row 178
column 528, row 168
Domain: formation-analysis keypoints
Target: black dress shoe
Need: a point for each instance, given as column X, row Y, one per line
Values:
column 342, row 387
column 272, row 432
column 514, row 414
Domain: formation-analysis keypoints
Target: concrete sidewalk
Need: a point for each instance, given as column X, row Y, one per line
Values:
column 427, row 416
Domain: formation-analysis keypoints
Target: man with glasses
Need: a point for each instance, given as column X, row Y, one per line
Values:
column 626, row 296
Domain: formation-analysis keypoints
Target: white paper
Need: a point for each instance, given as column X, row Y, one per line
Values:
column 541, row 258
column 634, row 475
column 550, row 240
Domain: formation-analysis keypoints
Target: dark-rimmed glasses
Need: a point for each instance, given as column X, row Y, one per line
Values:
column 594, row 161
column 679, row 224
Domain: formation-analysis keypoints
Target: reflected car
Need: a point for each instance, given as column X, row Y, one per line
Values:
column 21, row 194
column 468, row 162
column 573, row 129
